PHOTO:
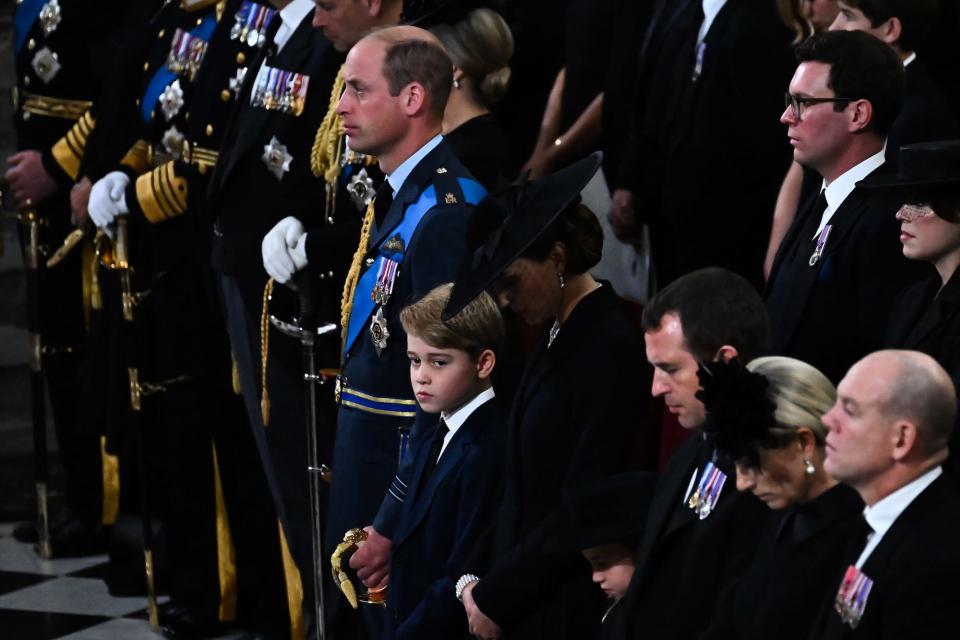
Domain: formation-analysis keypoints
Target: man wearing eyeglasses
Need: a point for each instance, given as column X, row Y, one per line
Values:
column 840, row 265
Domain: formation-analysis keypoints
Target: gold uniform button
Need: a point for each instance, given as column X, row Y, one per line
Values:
column 31, row 44
column 209, row 129
column 225, row 95
column 199, row 21
column 241, row 58
column 161, row 33
column 146, row 65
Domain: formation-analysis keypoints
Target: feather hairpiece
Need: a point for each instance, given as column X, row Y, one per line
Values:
column 740, row 415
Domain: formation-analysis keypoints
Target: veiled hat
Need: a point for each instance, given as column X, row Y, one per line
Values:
column 508, row 221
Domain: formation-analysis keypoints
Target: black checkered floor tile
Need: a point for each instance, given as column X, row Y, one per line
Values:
column 62, row 599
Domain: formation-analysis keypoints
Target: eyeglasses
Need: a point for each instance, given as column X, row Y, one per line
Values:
column 796, row 103
column 911, row 212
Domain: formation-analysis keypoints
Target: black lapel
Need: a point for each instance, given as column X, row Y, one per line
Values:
column 932, row 497
column 420, row 462
column 790, row 238
column 456, row 451
column 249, row 121
column 664, row 15
column 843, row 220
column 941, row 305
column 668, row 495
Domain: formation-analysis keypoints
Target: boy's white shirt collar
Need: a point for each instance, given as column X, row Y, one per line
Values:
column 456, row 419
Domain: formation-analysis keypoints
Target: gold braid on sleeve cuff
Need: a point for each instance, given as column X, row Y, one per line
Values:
column 68, row 151
column 162, row 194
column 138, row 158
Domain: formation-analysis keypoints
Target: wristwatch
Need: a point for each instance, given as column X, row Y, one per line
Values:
column 462, row 583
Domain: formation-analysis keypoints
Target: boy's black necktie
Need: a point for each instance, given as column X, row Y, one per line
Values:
column 438, row 436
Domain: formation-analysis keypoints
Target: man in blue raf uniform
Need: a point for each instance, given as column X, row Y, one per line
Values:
column 62, row 52
column 412, row 239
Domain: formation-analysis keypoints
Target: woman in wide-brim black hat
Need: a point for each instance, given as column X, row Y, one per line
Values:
column 575, row 413
column 927, row 316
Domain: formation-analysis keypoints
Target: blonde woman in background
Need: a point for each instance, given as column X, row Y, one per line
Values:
column 480, row 45
column 766, row 418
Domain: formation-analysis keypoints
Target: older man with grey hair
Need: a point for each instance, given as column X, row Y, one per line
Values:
column 888, row 435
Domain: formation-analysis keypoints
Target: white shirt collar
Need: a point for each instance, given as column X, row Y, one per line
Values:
column 710, row 10
column 400, row 174
column 292, row 15
column 843, row 186
column 885, row 512
column 910, row 58
column 456, row 419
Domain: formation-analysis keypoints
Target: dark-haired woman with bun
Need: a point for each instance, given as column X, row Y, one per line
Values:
column 574, row 415
column 926, row 317
column 766, row 418
column 480, row 45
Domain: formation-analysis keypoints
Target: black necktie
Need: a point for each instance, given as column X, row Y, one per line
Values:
column 382, row 201
column 435, row 448
column 819, row 208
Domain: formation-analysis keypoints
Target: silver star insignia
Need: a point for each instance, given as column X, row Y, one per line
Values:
column 173, row 142
column 46, row 64
column 171, row 100
column 50, row 17
column 237, row 81
column 277, row 158
column 361, row 189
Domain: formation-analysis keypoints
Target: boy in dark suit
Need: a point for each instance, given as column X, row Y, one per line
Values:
column 457, row 473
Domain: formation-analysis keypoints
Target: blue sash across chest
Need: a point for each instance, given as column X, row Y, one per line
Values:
column 363, row 303
column 165, row 76
column 26, row 14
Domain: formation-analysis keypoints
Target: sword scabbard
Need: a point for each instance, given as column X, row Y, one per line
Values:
column 152, row 608
column 135, row 390
column 43, row 522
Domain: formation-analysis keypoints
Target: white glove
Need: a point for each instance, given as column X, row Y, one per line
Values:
column 280, row 260
column 108, row 199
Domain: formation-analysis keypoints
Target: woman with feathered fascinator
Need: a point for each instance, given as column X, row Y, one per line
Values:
column 765, row 417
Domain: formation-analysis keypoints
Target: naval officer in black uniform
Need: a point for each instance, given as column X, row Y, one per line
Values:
column 62, row 55
column 194, row 426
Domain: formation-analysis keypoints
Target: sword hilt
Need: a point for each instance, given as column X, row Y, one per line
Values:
column 71, row 242
column 122, row 262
